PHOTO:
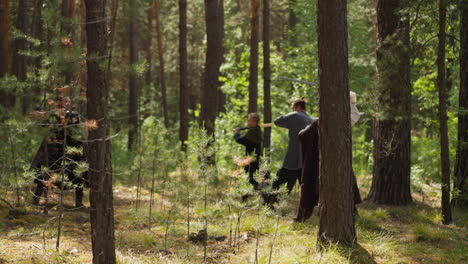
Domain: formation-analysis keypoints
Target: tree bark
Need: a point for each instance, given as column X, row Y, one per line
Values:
column 133, row 85
column 99, row 159
column 336, row 195
column 461, row 163
column 149, row 43
column 292, row 15
column 37, row 31
column 392, row 123
column 162, row 70
column 82, row 73
column 212, row 65
column 83, row 21
column 19, row 65
column 292, row 22
column 183, row 75
column 7, row 99
column 221, row 101
column 68, row 12
column 253, row 67
column 444, row 144
column 266, row 75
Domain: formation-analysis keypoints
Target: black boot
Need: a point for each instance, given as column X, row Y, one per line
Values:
column 79, row 197
column 37, row 194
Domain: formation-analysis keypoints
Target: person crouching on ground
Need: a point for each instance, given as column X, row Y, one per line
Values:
column 253, row 146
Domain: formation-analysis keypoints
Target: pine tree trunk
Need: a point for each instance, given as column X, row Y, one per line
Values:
column 221, row 101
column 68, row 12
column 214, row 50
column 37, row 32
column 7, row 99
column 444, row 144
column 266, row 75
column 392, row 124
column 83, row 21
column 82, row 73
column 19, row 65
column 461, row 164
column 99, row 159
column 134, row 88
column 149, row 43
column 183, row 75
column 290, row 34
column 253, row 68
column 336, row 195
column 37, row 25
column 292, row 15
column 162, row 71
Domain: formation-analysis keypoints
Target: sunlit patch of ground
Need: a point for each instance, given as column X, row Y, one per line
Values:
column 386, row 234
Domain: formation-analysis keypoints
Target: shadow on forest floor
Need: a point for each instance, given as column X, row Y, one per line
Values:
column 360, row 255
column 386, row 234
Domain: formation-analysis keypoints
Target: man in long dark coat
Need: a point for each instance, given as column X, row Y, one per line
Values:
column 309, row 138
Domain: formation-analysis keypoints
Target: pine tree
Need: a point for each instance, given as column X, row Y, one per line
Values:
column 336, row 195
column 99, row 154
column 183, row 74
column 392, row 124
column 461, row 163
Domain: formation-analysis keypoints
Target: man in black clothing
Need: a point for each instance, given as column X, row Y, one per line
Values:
column 309, row 138
column 253, row 147
column 54, row 153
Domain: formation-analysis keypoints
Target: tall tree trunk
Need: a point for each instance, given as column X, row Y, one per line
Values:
column 266, row 75
column 444, row 144
column 292, row 22
column 19, row 65
column 253, row 68
column 461, row 164
column 162, row 71
column 183, row 75
column 292, row 15
column 336, row 195
column 82, row 73
column 114, row 8
column 37, row 32
column 99, row 159
column 133, row 85
column 7, row 99
column 221, row 101
column 392, row 124
column 149, row 43
column 451, row 61
column 68, row 12
column 213, row 57
column 83, row 25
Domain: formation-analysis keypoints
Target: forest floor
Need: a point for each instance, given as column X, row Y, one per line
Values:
column 386, row 234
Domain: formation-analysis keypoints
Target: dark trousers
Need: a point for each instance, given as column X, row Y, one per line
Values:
column 41, row 188
column 287, row 176
column 310, row 196
column 78, row 182
column 251, row 169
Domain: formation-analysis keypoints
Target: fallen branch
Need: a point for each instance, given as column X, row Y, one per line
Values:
column 8, row 203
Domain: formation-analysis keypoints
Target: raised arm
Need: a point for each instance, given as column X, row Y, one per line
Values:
column 241, row 139
column 283, row 121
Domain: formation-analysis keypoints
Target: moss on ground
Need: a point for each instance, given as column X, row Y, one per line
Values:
column 411, row 234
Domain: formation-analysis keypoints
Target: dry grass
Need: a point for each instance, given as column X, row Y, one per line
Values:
column 410, row 234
